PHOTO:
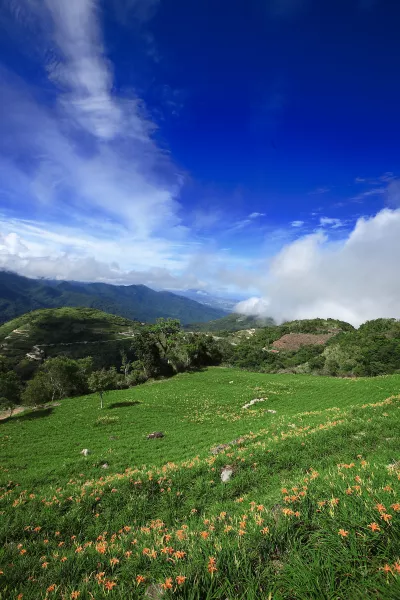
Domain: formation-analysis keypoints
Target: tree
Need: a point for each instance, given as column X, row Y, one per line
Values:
column 126, row 365
column 163, row 331
column 67, row 377
column 10, row 390
column 148, row 354
column 38, row 390
column 102, row 381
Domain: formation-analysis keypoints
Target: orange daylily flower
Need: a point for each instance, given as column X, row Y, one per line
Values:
column 109, row 584
column 180, row 579
column 140, row 579
column 374, row 527
column 343, row 532
column 167, row 585
column 211, row 565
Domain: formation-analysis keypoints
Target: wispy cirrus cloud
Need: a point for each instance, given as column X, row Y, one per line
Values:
column 80, row 153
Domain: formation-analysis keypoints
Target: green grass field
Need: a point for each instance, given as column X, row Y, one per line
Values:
column 312, row 509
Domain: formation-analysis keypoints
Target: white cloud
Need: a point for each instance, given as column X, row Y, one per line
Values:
column 353, row 280
column 330, row 222
column 256, row 215
column 374, row 192
column 87, row 160
column 297, row 223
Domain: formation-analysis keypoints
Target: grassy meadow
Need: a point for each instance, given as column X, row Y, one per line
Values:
column 312, row 509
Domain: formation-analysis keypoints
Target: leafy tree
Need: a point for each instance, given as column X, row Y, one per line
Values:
column 126, row 366
column 148, row 354
column 163, row 331
column 10, row 390
column 67, row 377
column 102, row 381
column 38, row 390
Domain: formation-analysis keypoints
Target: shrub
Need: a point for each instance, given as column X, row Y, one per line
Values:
column 106, row 420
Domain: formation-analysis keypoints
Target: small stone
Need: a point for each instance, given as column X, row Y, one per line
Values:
column 226, row 473
column 85, row 452
column 230, row 381
column 218, row 449
column 154, row 435
column 273, row 412
column 104, row 466
column 154, row 591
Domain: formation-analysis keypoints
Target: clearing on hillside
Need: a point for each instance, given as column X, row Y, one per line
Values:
column 294, row 341
column 311, row 510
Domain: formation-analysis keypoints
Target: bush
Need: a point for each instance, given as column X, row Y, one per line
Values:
column 101, row 421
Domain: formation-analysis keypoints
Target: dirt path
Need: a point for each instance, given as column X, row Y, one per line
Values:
column 4, row 414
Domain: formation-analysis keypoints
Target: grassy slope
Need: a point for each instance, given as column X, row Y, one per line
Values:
column 319, row 423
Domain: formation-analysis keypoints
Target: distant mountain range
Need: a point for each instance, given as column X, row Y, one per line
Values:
column 226, row 304
column 19, row 295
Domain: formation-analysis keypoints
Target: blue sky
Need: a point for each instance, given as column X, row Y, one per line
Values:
column 245, row 148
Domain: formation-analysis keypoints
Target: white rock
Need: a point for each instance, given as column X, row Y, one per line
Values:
column 253, row 402
column 273, row 412
column 85, row 452
column 226, row 473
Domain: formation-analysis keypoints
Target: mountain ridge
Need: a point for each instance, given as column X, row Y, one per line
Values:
column 19, row 295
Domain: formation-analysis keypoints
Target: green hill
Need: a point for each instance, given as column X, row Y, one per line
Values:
column 62, row 330
column 233, row 322
column 19, row 295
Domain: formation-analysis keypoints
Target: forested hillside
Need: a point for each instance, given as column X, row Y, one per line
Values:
column 19, row 295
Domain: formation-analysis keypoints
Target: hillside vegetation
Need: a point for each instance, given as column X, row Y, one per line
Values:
column 311, row 511
column 19, row 295
column 62, row 330
column 318, row 346
column 230, row 323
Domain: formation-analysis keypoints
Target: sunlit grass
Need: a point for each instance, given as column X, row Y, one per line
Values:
column 312, row 510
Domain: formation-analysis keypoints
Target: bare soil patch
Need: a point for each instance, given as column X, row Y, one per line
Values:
column 294, row 341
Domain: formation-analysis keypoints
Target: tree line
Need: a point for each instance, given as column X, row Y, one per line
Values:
column 163, row 349
column 158, row 350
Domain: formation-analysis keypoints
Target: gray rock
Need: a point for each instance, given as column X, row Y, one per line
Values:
column 154, row 591
column 155, row 434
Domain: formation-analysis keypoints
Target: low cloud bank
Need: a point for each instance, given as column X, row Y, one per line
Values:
column 355, row 280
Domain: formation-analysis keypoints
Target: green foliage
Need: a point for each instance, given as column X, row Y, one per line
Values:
column 106, row 420
column 38, row 390
column 103, row 381
column 232, row 322
column 10, row 388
